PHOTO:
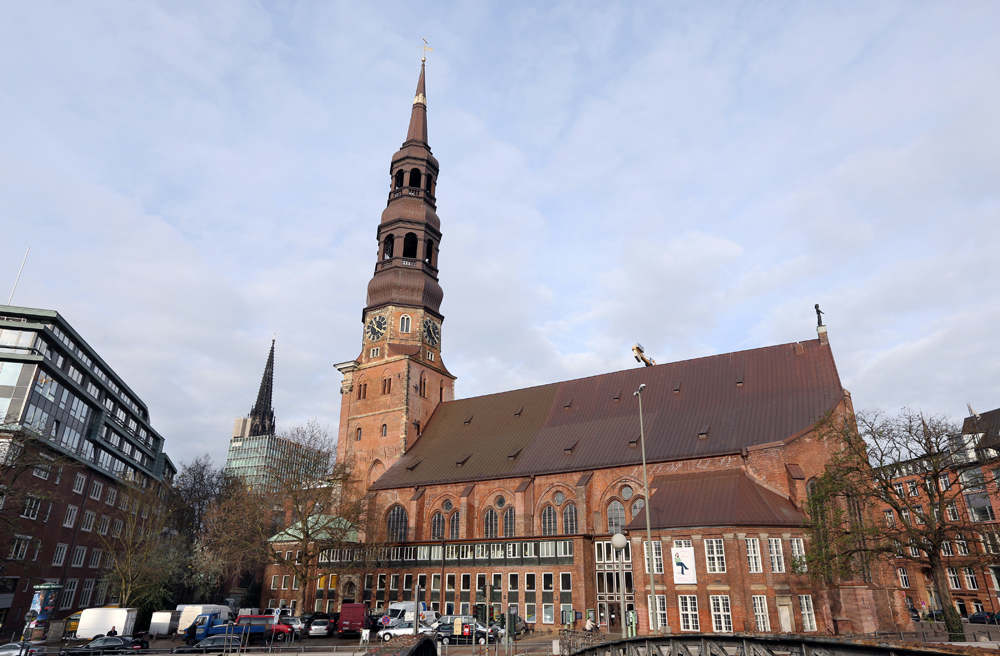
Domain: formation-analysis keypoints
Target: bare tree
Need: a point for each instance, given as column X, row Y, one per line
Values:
column 25, row 470
column 141, row 553
column 303, row 504
column 897, row 487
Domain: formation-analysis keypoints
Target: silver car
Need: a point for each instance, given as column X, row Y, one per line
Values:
column 403, row 628
column 298, row 626
column 321, row 628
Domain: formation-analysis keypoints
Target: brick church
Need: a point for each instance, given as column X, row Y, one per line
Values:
column 523, row 490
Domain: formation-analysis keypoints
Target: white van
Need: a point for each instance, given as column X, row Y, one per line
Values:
column 98, row 621
column 402, row 611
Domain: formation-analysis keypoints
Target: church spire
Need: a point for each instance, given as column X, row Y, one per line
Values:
column 262, row 414
column 418, row 116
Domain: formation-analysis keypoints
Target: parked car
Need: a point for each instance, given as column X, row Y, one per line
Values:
column 477, row 635
column 353, row 618
column 214, row 645
column 320, row 628
column 308, row 619
column 107, row 645
column 14, row 648
column 519, row 628
column 402, row 628
column 983, row 617
column 297, row 625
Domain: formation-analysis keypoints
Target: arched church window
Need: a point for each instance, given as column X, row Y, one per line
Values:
column 569, row 519
column 437, row 526
column 385, row 430
column 508, row 523
column 490, row 524
column 422, row 388
column 454, row 525
column 616, row 517
column 357, row 437
column 415, row 178
column 549, row 521
column 637, row 506
column 387, row 245
column 429, row 252
column 396, row 524
column 400, row 178
column 404, row 323
column 387, row 385
column 441, row 392
column 410, row 245
column 427, row 182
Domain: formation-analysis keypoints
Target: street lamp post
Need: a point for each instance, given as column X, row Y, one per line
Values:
column 619, row 542
column 650, row 554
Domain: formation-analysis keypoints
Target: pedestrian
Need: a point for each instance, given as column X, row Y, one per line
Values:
column 590, row 625
column 112, row 632
column 190, row 634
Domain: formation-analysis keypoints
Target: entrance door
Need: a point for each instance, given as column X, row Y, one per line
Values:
column 785, row 618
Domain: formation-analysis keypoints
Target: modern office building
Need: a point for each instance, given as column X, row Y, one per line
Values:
column 77, row 442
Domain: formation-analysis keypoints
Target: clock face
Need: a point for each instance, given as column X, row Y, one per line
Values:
column 432, row 333
column 376, row 328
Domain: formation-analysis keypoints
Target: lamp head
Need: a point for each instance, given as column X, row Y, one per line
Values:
column 619, row 541
column 639, row 391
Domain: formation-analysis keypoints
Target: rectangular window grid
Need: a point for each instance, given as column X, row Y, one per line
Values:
column 754, row 564
column 722, row 616
column 761, row 618
column 688, row 607
column 777, row 555
column 715, row 556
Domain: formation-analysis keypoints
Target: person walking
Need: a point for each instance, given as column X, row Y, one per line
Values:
column 112, row 632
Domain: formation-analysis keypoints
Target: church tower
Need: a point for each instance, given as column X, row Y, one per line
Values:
column 390, row 391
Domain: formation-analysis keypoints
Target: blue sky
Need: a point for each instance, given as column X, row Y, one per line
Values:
column 194, row 177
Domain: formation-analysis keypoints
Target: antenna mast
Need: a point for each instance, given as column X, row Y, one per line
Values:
column 18, row 279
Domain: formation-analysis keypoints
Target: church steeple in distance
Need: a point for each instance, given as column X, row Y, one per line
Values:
column 262, row 415
column 410, row 230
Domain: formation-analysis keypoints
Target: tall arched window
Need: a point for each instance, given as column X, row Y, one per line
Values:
column 616, row 517
column 385, row 430
column 490, row 524
column 569, row 519
column 455, row 525
column 429, row 252
column 357, row 436
column 400, row 178
column 396, row 524
column 415, row 178
column 422, row 388
column 387, row 385
column 404, row 323
column 437, row 526
column 410, row 245
column 549, row 524
column 428, row 179
column 387, row 246
column 441, row 392
column 637, row 507
column 508, row 523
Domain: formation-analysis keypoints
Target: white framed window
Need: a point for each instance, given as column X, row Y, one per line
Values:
column 715, row 556
column 547, row 549
column 68, row 593
column 88, row 521
column 96, row 489
column 274, row 582
column 761, row 619
column 295, row 581
column 529, row 614
column 970, row 579
column 799, row 555
column 79, row 484
column 904, row 578
column 19, row 547
column 722, row 616
column 890, row 517
column 961, row 546
column 953, row 581
column 661, row 610
column 31, row 508
column 512, row 581
column 688, row 607
column 754, row 566
column 946, row 549
column 548, row 614
column 117, row 531
column 404, row 323
column 95, row 558
column 59, row 557
column 905, row 514
column 70, row 517
column 777, row 555
column 86, row 592
column 374, row 352
column 657, row 556
column 951, row 509
column 680, row 544
column 430, row 356
column 808, row 614
column 566, row 581
column 79, row 555
column 102, row 528
column 112, row 496
column 284, row 582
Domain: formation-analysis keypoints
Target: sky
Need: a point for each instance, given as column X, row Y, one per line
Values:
column 195, row 178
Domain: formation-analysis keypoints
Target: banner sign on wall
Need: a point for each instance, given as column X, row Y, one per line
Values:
column 682, row 560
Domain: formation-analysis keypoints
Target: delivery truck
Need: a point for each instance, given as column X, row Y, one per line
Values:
column 98, row 621
column 164, row 622
column 191, row 611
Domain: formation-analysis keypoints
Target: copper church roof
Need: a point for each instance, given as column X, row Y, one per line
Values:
column 708, row 406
